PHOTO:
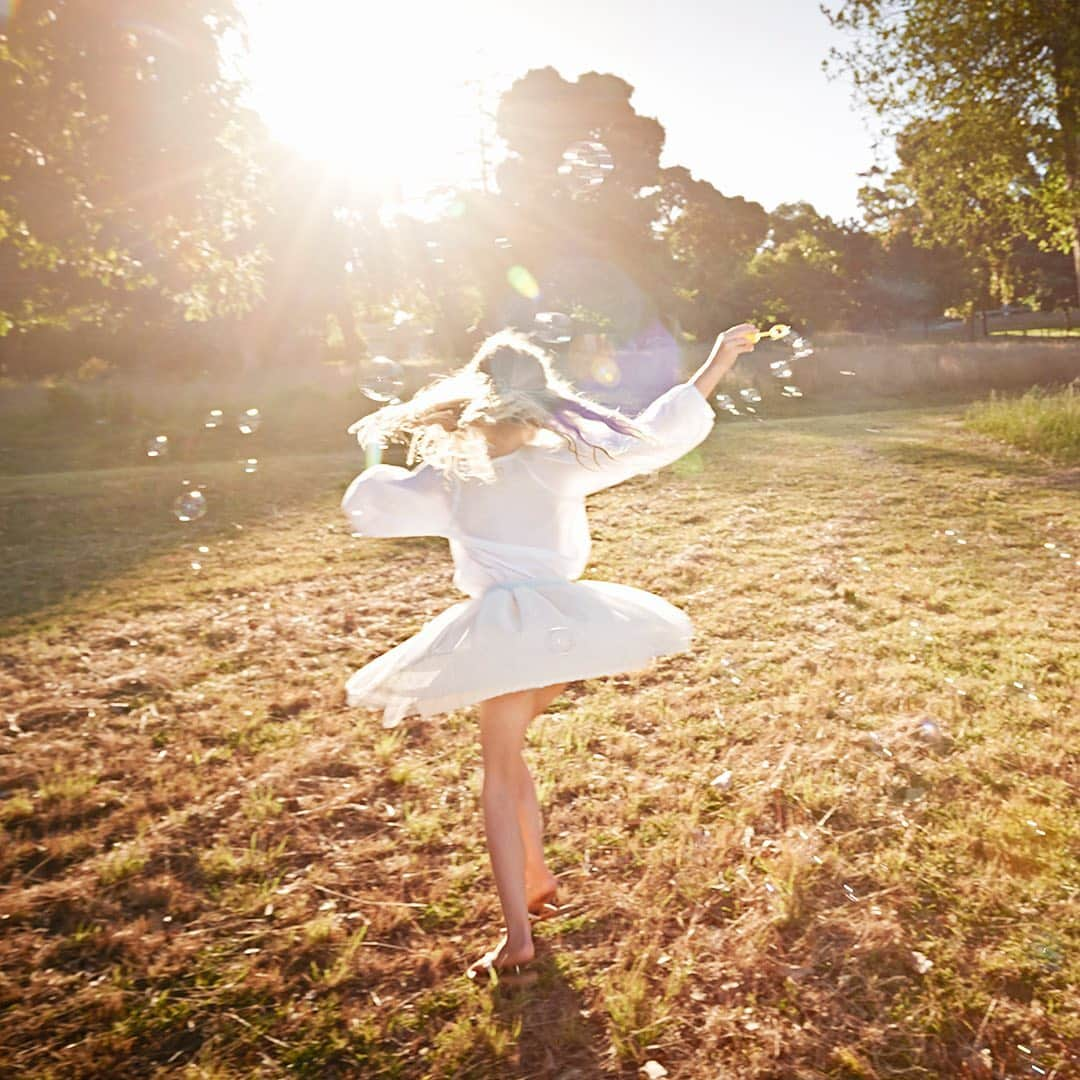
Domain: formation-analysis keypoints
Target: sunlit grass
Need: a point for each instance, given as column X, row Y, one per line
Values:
column 1046, row 422
column 213, row 867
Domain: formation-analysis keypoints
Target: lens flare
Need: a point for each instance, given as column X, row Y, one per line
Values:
column 522, row 282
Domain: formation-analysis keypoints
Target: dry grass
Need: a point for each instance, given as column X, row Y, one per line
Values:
column 212, row 868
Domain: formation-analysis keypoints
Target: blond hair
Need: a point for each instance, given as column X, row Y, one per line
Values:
column 509, row 379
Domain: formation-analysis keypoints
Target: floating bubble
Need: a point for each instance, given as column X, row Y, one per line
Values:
column 158, row 446
column 783, row 373
column 381, row 379
column 503, row 242
column 791, row 391
column 196, row 565
column 214, row 419
column 553, row 327
column 203, row 549
column 930, row 733
column 522, row 282
column 750, row 395
column 586, row 165
column 847, row 372
column 189, row 505
column 872, row 740
column 249, row 421
column 249, row 465
column 560, row 639
column 723, row 400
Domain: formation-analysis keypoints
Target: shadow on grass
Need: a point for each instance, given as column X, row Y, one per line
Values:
column 67, row 533
column 942, row 457
column 558, row 1034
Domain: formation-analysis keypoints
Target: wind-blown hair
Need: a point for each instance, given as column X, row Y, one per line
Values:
column 509, row 378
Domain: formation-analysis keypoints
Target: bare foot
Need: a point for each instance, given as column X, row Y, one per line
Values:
column 540, row 894
column 502, row 958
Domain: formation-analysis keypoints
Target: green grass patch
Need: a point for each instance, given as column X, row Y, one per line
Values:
column 1045, row 422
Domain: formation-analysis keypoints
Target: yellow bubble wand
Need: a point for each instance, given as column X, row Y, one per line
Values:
column 774, row 333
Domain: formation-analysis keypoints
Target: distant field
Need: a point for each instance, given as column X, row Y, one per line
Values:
column 837, row 839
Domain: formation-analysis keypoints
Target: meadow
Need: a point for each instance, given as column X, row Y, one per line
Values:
column 836, row 839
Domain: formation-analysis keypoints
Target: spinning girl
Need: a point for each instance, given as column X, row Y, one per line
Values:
column 510, row 450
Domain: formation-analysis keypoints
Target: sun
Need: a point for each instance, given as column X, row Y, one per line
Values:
column 358, row 87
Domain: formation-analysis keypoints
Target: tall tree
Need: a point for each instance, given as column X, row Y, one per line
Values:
column 710, row 239
column 125, row 170
column 973, row 71
column 586, row 244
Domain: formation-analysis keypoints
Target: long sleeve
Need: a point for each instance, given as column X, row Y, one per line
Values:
column 674, row 423
column 387, row 500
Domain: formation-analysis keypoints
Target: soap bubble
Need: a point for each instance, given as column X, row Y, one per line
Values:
column 727, row 403
column 249, row 421
column 214, row 419
column 381, row 379
column 750, row 395
column 249, row 465
column 189, row 505
column 586, row 165
column 801, row 349
column 791, row 391
column 503, row 242
column 157, row 446
column 560, row 639
column 783, row 373
column 553, row 327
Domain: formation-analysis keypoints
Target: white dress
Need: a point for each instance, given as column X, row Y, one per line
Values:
column 519, row 544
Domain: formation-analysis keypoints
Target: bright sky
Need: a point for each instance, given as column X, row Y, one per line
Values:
column 738, row 86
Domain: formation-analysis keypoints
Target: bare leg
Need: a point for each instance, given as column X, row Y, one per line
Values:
column 540, row 882
column 503, row 721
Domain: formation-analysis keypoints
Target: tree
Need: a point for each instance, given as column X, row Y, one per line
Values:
column 588, row 247
column 710, row 239
column 808, row 270
column 963, row 76
column 126, row 181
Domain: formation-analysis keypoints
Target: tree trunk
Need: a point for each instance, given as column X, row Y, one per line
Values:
column 1066, row 65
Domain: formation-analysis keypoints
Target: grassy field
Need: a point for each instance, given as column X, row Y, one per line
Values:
column 837, row 839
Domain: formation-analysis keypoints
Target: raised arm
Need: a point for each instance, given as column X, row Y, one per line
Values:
column 673, row 424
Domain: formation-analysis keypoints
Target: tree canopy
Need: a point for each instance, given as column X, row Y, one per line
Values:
column 984, row 100
column 125, row 177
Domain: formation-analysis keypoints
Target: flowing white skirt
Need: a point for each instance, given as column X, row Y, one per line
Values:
column 518, row 637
